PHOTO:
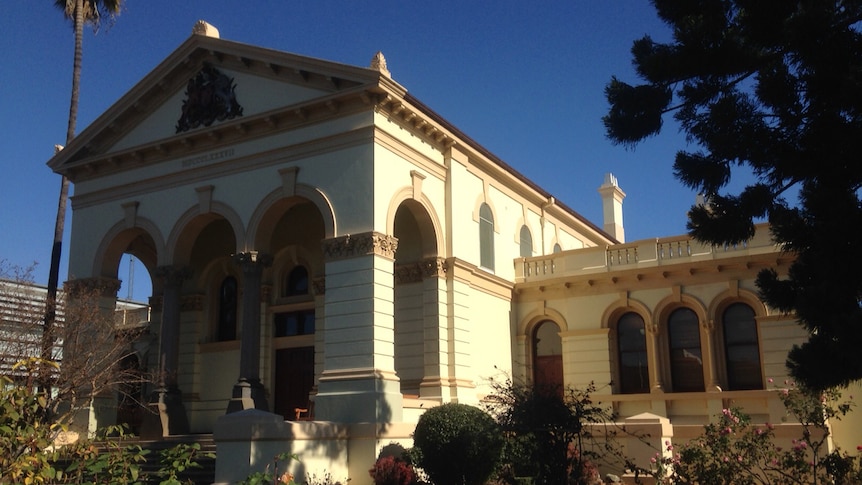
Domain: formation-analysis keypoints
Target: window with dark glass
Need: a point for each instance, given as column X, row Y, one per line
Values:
column 227, row 310
column 686, row 358
column 292, row 324
column 486, row 237
column 526, row 240
column 631, row 339
column 741, row 348
column 296, row 282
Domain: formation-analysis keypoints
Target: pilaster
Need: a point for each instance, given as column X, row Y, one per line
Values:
column 358, row 383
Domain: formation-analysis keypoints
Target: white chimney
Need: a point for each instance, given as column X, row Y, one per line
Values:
column 612, row 207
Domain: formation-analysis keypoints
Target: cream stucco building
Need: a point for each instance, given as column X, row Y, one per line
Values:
column 325, row 248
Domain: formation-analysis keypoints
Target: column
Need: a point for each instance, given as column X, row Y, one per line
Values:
column 248, row 392
column 655, row 362
column 167, row 401
column 359, row 383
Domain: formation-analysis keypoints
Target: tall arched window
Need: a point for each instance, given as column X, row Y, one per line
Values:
column 631, row 342
column 526, row 240
column 557, row 248
column 741, row 348
column 296, row 282
column 227, row 310
column 686, row 357
column 486, row 237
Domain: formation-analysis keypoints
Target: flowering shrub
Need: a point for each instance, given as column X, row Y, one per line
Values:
column 389, row 470
column 734, row 450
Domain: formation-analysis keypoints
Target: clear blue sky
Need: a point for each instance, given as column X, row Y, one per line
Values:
column 524, row 79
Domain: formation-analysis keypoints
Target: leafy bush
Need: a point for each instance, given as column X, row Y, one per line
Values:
column 549, row 437
column 458, row 444
column 391, row 470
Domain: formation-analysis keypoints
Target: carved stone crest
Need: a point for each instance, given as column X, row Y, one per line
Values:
column 210, row 97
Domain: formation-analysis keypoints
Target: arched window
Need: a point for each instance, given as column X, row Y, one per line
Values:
column 686, row 357
column 526, row 240
column 227, row 310
column 557, row 248
column 631, row 342
column 296, row 282
column 486, row 237
column 741, row 348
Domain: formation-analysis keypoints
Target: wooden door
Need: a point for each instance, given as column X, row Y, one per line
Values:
column 294, row 378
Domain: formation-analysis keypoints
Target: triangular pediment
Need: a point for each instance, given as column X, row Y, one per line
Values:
column 206, row 86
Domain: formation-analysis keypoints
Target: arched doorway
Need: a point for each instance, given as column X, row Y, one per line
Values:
column 292, row 230
column 413, row 287
column 548, row 358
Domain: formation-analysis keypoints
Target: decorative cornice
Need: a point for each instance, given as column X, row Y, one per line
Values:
column 415, row 272
column 356, row 245
column 107, row 287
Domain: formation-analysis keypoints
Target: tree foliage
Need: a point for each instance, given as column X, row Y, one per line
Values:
column 733, row 450
column 773, row 88
column 554, row 435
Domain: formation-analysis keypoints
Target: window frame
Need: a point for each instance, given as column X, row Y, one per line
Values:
column 486, row 237
column 623, row 386
column 681, row 355
column 733, row 377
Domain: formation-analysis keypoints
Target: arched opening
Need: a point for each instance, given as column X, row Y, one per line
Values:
column 292, row 230
column 416, row 243
column 548, row 358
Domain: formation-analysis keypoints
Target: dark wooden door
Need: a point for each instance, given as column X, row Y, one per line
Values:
column 294, row 377
column 549, row 374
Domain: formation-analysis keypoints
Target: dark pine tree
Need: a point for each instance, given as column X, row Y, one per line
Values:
column 773, row 87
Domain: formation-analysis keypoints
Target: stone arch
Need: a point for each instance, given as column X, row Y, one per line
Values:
column 179, row 245
column 264, row 211
column 143, row 240
column 670, row 303
column 721, row 301
column 529, row 322
column 423, row 210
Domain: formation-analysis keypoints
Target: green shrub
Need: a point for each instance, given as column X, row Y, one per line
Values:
column 458, row 444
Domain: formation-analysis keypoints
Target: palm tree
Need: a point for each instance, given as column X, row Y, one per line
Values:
column 80, row 12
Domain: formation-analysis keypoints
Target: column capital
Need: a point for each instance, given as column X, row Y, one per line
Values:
column 249, row 259
column 107, row 287
column 173, row 274
column 364, row 244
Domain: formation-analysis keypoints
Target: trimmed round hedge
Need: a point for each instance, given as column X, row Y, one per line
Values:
column 458, row 444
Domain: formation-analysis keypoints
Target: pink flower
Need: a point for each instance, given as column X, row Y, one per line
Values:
column 770, row 380
column 652, row 460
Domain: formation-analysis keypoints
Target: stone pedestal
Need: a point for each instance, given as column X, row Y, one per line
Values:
column 166, row 416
